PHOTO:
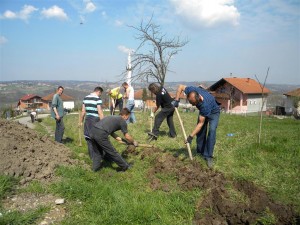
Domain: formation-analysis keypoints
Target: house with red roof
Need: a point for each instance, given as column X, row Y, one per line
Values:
column 30, row 101
column 141, row 101
column 240, row 95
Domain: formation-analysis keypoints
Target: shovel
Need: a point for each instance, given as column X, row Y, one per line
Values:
column 184, row 134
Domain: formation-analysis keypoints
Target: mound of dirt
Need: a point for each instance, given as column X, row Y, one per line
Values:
column 220, row 204
column 24, row 153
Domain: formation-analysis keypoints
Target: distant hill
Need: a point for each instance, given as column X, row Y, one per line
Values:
column 12, row 91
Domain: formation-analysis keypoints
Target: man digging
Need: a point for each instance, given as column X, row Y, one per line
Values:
column 209, row 113
column 100, row 134
column 163, row 100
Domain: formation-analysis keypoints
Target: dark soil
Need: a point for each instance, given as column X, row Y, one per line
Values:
column 26, row 154
column 226, row 201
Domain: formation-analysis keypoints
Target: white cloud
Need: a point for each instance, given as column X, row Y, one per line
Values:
column 24, row 14
column 89, row 7
column 3, row 40
column 9, row 15
column 124, row 49
column 207, row 13
column 119, row 23
column 54, row 12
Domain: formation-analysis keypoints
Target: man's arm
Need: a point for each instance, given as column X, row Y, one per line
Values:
column 155, row 109
column 54, row 104
column 129, row 138
column 199, row 126
column 158, row 101
column 100, row 112
column 56, row 113
column 180, row 89
column 126, row 94
column 115, row 136
column 83, row 112
column 112, row 102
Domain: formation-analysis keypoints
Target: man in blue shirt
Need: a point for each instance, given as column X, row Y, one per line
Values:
column 57, row 113
column 209, row 113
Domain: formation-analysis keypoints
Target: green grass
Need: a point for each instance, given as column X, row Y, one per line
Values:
column 108, row 197
column 8, row 186
column 18, row 218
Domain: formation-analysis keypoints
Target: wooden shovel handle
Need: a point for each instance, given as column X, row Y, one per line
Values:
column 184, row 134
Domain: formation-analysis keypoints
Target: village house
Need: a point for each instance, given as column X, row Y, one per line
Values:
column 68, row 101
column 30, row 101
column 37, row 103
column 240, row 95
column 291, row 98
column 139, row 99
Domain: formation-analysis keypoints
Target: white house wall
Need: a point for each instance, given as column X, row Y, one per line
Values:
column 289, row 105
column 254, row 103
column 68, row 104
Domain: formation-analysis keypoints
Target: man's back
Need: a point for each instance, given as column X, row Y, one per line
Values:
column 91, row 102
column 112, row 124
column 163, row 98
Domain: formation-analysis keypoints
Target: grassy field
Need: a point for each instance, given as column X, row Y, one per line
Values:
column 108, row 197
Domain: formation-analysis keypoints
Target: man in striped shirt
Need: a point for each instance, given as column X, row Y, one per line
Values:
column 92, row 112
column 207, row 121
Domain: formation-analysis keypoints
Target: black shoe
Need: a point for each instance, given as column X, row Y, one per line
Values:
column 152, row 136
column 120, row 169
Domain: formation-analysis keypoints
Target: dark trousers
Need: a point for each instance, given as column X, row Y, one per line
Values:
column 59, row 131
column 119, row 102
column 32, row 118
column 100, row 137
column 88, row 124
column 159, row 118
column 206, row 140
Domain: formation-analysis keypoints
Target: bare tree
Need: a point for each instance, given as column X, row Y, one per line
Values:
column 263, row 99
column 152, row 57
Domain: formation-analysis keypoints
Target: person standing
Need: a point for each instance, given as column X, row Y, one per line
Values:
column 57, row 113
column 33, row 116
column 129, row 95
column 163, row 100
column 100, row 133
column 208, row 119
column 92, row 113
column 116, row 99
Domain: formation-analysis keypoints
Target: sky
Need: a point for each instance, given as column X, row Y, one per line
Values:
column 89, row 40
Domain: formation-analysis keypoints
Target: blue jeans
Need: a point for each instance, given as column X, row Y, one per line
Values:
column 206, row 140
column 130, row 107
column 59, row 131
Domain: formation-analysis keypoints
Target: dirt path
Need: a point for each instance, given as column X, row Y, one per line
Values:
column 27, row 120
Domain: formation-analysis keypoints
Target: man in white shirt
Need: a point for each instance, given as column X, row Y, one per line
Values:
column 129, row 95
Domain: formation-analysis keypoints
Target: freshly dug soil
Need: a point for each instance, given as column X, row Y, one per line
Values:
column 220, row 204
column 25, row 153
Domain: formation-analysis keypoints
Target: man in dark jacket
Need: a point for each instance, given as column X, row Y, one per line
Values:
column 163, row 100
column 100, row 133
column 209, row 113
